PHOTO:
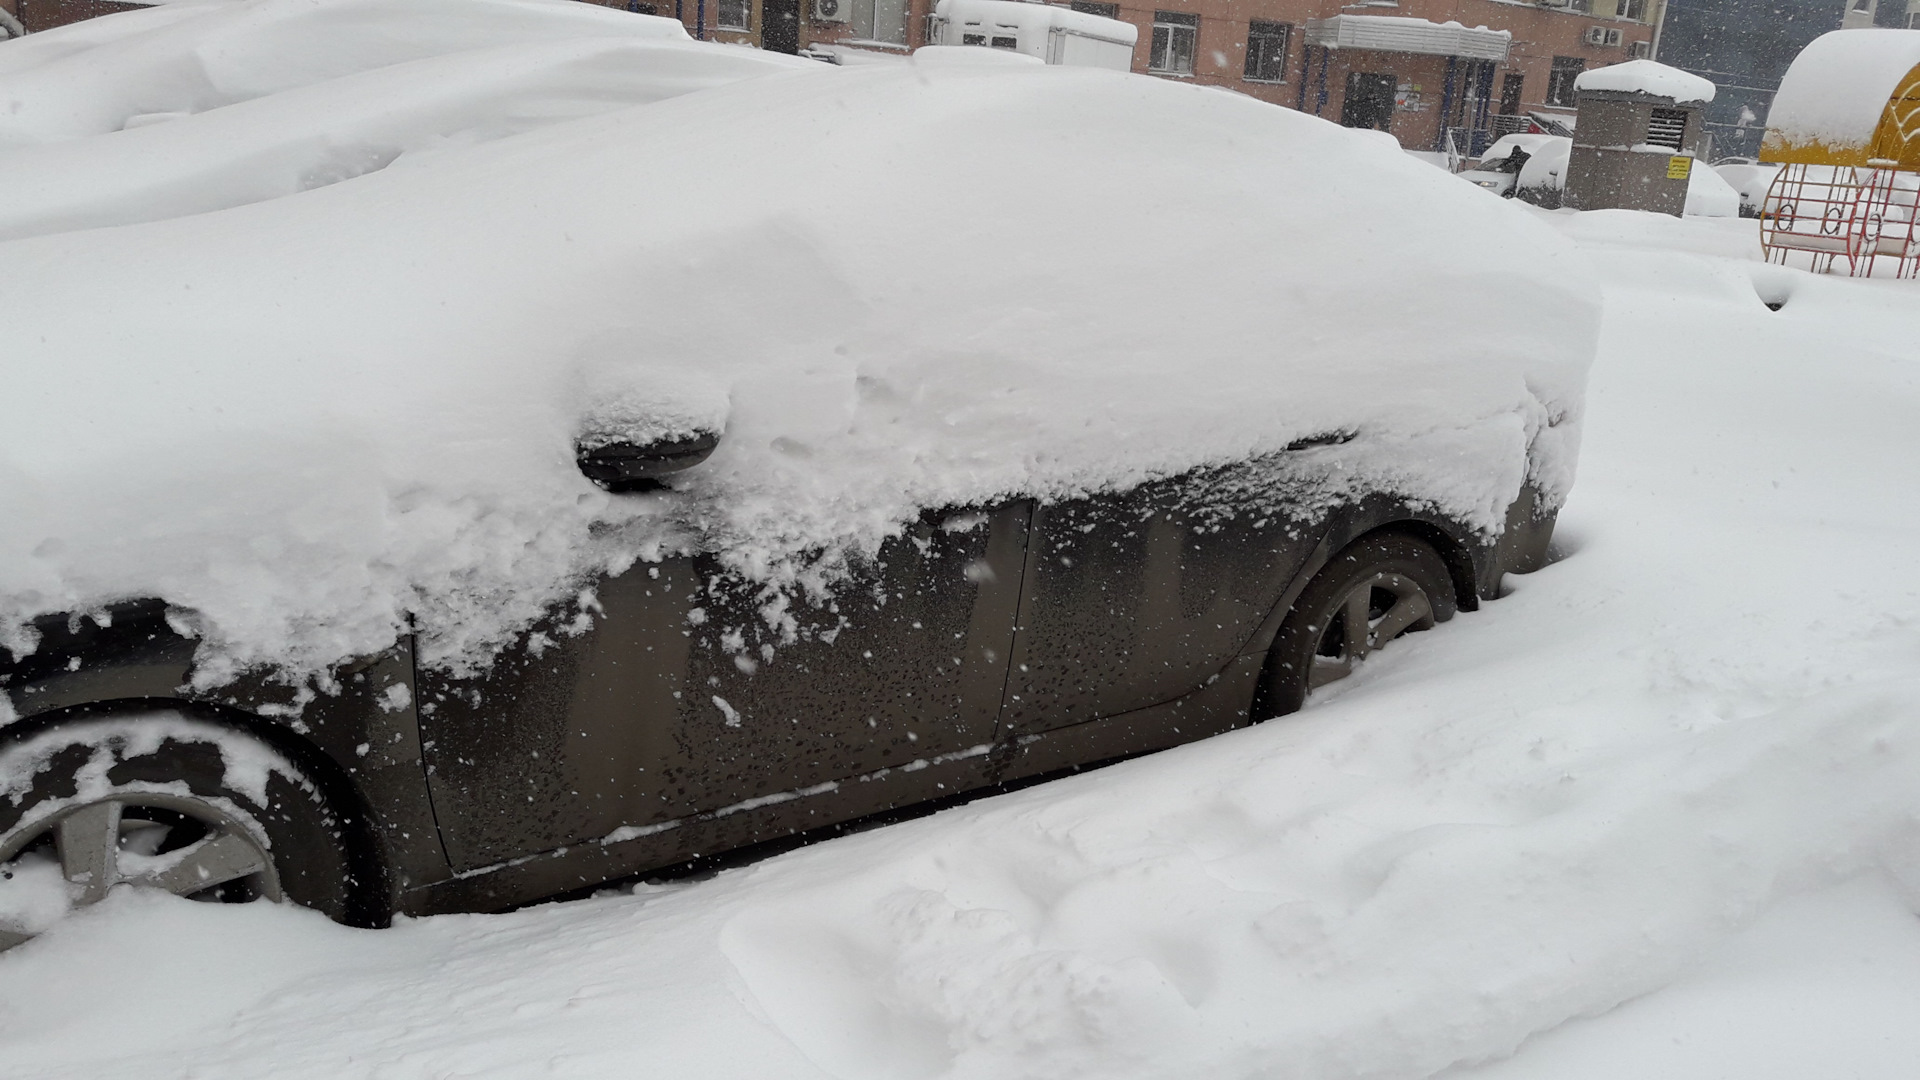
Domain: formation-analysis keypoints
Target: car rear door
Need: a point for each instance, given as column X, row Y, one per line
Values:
column 1137, row 598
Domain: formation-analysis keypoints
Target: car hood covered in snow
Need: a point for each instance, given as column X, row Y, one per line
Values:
column 937, row 283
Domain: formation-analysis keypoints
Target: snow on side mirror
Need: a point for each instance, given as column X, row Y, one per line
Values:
column 633, row 467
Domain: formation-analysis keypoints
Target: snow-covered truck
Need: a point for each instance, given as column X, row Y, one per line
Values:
column 1054, row 35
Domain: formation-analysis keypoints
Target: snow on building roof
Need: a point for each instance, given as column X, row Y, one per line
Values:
column 1395, row 33
column 1850, row 96
column 1038, row 18
column 1647, row 77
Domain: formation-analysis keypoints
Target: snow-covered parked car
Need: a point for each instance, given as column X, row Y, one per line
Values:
column 1749, row 180
column 1530, row 167
column 663, row 482
column 1498, row 170
column 1533, row 168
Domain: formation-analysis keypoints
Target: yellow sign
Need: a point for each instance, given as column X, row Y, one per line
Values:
column 1679, row 167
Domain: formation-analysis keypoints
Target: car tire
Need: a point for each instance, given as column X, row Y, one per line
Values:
column 199, row 809
column 1390, row 583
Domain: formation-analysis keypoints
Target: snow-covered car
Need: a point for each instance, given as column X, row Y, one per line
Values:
column 1710, row 195
column 715, row 470
column 1495, row 176
column 1533, row 168
column 1500, row 165
column 1524, row 165
column 1750, row 180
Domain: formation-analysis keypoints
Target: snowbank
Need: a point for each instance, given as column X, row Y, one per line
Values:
column 1709, row 194
column 307, row 417
column 1750, row 182
column 1836, row 90
column 1647, row 77
column 1559, row 803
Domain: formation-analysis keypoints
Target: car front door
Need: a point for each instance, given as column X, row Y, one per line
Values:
column 692, row 690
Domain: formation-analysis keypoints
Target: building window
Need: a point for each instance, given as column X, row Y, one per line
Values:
column 1174, row 35
column 1105, row 11
column 1633, row 9
column 1267, row 51
column 1560, row 79
column 733, row 14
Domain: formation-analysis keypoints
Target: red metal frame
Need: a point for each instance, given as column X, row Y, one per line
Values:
column 1866, row 214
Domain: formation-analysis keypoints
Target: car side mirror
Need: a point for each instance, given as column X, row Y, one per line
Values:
column 633, row 467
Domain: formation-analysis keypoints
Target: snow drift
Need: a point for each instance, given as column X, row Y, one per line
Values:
column 938, row 283
column 1554, row 805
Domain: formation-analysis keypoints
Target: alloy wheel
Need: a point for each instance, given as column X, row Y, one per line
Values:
column 74, row 857
column 1377, row 610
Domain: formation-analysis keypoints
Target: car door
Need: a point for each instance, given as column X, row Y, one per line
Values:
column 1136, row 598
column 694, row 691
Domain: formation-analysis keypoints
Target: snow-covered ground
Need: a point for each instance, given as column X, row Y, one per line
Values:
column 1655, row 813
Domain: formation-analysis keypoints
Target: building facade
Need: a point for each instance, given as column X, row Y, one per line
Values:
column 1288, row 52
column 37, row 15
column 1422, row 78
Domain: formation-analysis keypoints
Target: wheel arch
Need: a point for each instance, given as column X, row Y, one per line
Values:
column 1472, row 577
column 371, row 895
column 1452, row 549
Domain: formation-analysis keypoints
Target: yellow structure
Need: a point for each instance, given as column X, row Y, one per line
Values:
column 1845, row 127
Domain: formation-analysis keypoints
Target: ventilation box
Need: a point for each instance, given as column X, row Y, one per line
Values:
column 1640, row 130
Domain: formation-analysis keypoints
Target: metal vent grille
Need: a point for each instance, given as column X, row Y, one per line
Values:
column 1667, row 128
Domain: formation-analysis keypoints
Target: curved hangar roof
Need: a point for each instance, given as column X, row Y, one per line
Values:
column 1852, row 97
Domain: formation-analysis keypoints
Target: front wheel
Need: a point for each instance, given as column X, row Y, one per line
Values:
column 1375, row 590
column 162, row 801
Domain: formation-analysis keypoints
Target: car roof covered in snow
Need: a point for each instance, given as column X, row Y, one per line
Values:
column 111, row 128
column 890, row 287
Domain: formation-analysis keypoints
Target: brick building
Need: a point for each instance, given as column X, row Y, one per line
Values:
column 1397, row 66
column 1416, row 68
column 47, row 14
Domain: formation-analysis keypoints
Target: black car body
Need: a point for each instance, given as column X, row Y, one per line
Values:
column 980, row 647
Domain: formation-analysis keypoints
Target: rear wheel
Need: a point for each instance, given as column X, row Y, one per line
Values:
column 1375, row 590
column 159, row 801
